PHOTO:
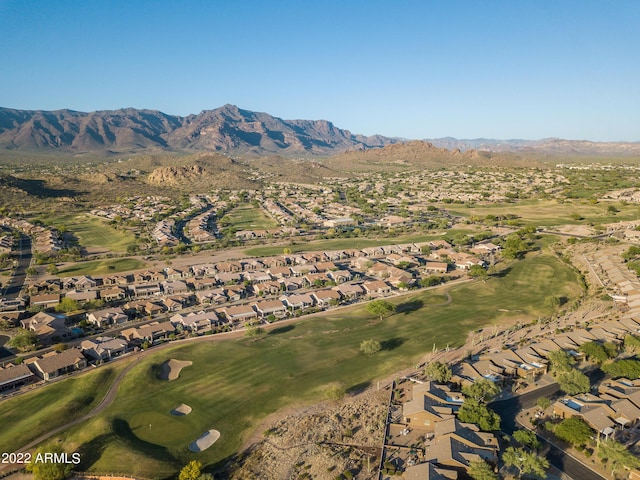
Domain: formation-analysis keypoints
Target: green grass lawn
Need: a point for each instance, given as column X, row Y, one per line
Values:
column 27, row 416
column 92, row 232
column 233, row 385
column 248, row 217
column 101, row 267
column 552, row 212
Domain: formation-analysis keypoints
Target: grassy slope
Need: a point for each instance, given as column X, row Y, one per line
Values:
column 27, row 416
column 101, row 267
column 233, row 385
column 552, row 212
column 248, row 217
column 92, row 231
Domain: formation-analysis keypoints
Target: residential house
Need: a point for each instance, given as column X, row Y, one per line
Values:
column 228, row 267
column 15, row 376
column 121, row 280
column 257, row 276
column 203, row 283
column 227, row 278
column 457, row 445
column 340, row 276
column 325, row 298
column 376, row 288
column 424, row 413
column 174, row 274
column 436, row 267
column 173, row 304
column 302, row 270
column 173, row 287
column 82, row 295
column 591, row 408
column 151, row 332
column 113, row 294
column 106, row 317
column 350, row 290
column 291, row 284
column 104, row 348
column 297, row 302
column 48, row 328
column 236, row 292
column 326, row 266
column 270, row 307
column 267, row 288
column 53, row 364
column 279, row 272
column 429, row 471
column 145, row 290
column 201, row 322
column 240, row 313
column 46, row 300
column 153, row 308
column 83, row 282
column 214, row 296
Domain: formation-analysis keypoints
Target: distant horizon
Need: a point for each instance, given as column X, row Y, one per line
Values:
column 470, row 139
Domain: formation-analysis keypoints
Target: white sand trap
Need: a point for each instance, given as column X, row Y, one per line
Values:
column 181, row 410
column 207, row 439
column 170, row 370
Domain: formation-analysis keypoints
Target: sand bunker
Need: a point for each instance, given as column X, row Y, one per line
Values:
column 181, row 410
column 170, row 370
column 207, row 439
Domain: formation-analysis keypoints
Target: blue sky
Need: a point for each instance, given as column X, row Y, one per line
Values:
column 416, row 69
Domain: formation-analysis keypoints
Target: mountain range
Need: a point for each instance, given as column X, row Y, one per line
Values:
column 226, row 129
column 547, row 146
column 234, row 130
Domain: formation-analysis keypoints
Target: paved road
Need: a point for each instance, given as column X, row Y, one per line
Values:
column 20, row 273
column 508, row 409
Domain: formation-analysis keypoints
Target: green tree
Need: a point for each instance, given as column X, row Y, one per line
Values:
column 573, row 430
column 191, row 471
column 628, row 368
column 380, row 308
column 573, row 382
column 481, row 470
column 477, row 271
column 438, row 371
column 67, row 305
column 594, row 351
column 472, row 411
column 24, row 340
column 616, row 456
column 526, row 438
column 514, row 246
column 52, row 269
column 543, row 403
column 560, row 362
column 632, row 343
column 526, row 462
column 481, row 390
column 49, row 470
column 430, row 281
column 369, row 347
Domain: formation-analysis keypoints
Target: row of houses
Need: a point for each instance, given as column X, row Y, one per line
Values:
column 46, row 367
column 530, row 361
column 617, row 405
